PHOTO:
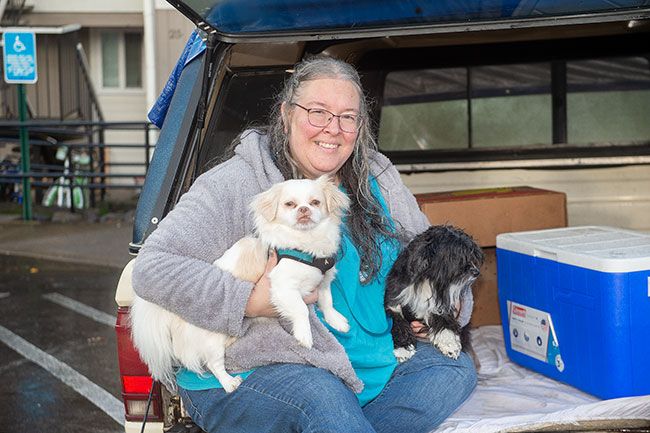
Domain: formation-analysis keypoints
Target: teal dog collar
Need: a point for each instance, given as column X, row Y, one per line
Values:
column 322, row 263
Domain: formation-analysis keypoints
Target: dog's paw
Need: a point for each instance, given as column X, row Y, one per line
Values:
column 448, row 343
column 336, row 320
column 404, row 353
column 231, row 384
column 303, row 335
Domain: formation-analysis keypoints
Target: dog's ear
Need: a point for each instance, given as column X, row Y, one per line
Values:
column 265, row 204
column 337, row 201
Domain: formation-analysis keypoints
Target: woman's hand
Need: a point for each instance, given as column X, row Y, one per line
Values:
column 259, row 303
column 418, row 329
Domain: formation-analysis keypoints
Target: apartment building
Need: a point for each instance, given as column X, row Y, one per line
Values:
column 131, row 46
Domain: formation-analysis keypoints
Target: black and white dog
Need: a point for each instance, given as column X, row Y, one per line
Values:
column 427, row 283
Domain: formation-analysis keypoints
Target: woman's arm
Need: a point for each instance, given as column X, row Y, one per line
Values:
column 174, row 267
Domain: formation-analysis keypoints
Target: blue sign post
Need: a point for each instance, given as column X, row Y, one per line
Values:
column 19, row 53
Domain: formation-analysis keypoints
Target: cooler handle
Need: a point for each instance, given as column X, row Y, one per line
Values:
column 545, row 254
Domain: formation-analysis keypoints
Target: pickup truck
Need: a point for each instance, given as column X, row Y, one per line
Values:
column 553, row 94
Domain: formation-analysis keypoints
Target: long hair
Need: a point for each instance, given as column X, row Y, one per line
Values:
column 365, row 222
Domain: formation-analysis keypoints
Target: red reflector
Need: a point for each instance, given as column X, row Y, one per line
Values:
column 136, row 384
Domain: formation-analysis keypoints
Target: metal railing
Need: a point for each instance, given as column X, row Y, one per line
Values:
column 71, row 157
column 91, row 108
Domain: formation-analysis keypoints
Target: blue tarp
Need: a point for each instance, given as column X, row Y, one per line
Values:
column 194, row 47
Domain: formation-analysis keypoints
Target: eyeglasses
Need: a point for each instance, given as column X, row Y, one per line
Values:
column 320, row 118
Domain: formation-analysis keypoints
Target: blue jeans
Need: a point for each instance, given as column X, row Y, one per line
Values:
column 283, row 398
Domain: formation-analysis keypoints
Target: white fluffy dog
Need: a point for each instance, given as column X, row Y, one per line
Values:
column 300, row 220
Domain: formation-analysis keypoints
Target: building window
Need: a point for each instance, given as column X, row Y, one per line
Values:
column 121, row 56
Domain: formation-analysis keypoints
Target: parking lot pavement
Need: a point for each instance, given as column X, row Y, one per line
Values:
column 102, row 244
column 57, row 312
column 58, row 347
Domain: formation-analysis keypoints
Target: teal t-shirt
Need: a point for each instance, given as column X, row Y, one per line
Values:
column 369, row 343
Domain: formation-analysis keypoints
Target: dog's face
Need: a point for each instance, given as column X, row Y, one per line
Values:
column 300, row 204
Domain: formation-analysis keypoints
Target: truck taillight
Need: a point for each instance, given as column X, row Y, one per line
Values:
column 136, row 381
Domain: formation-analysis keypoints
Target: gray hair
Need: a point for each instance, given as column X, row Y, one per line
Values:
column 366, row 224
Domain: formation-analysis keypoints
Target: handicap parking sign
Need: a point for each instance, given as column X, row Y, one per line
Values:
column 19, row 53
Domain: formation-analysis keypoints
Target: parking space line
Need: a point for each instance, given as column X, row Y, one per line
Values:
column 83, row 309
column 66, row 374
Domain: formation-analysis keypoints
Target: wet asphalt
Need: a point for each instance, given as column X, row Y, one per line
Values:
column 65, row 353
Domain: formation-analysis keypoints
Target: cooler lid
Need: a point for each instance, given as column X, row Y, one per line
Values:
column 605, row 249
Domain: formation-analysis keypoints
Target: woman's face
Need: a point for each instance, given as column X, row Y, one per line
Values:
column 321, row 150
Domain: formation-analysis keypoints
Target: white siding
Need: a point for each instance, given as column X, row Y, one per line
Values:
column 617, row 197
column 162, row 4
column 82, row 6
column 124, row 107
column 172, row 32
column 119, row 105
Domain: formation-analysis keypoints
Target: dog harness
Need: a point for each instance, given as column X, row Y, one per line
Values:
column 322, row 263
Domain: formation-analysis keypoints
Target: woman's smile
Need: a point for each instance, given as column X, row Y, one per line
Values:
column 329, row 146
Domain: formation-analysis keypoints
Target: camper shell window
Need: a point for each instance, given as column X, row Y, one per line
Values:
column 519, row 104
column 505, row 106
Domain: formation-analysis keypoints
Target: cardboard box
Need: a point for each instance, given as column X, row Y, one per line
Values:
column 485, row 213
column 486, row 297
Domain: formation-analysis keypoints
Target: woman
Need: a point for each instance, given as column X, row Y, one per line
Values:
column 319, row 126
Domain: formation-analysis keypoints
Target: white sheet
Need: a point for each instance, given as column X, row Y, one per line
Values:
column 511, row 398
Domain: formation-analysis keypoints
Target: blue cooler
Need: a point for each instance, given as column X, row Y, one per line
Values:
column 575, row 306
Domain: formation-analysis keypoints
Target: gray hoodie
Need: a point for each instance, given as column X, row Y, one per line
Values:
column 174, row 267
